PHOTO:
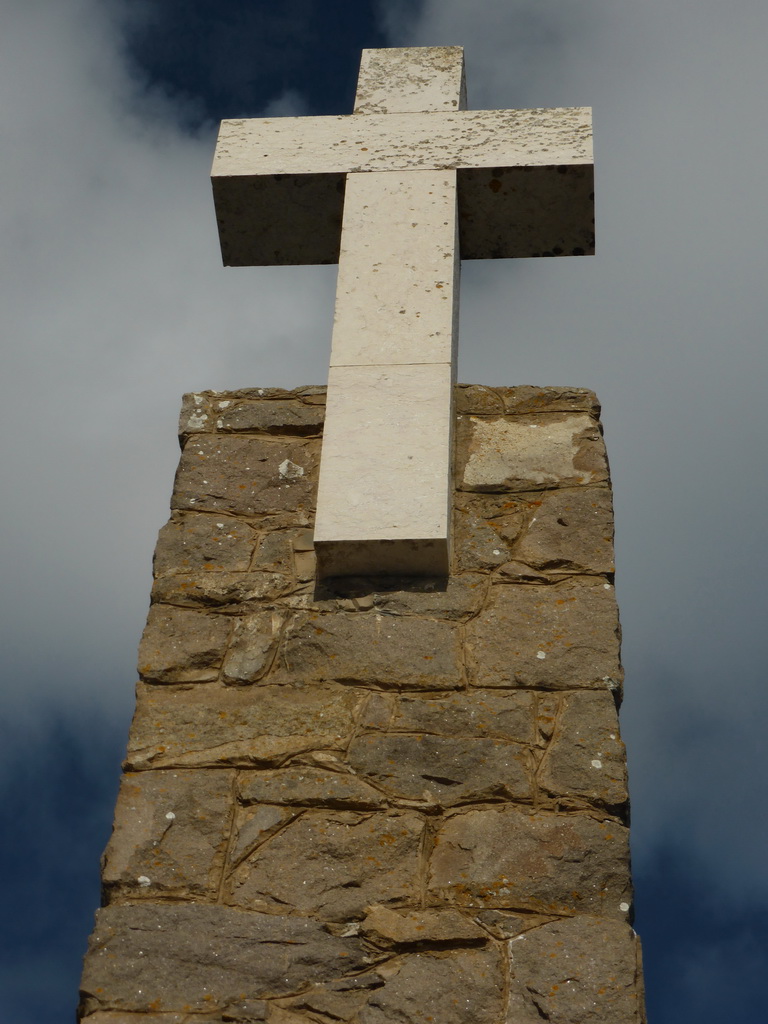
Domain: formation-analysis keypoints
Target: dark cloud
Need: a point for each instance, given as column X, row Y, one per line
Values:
column 227, row 58
column 57, row 795
column 704, row 957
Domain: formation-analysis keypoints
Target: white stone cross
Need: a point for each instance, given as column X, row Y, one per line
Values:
column 397, row 193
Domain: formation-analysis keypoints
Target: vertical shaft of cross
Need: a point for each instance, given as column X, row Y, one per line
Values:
column 386, row 466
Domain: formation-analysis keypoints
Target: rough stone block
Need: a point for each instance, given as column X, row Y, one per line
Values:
column 333, row 864
column 546, row 863
column 181, row 646
column 275, row 551
column 504, row 924
column 456, row 598
column 255, row 825
column 132, row 965
column 577, row 969
column 309, row 787
column 253, row 410
column 285, row 418
column 486, row 528
column 586, row 760
column 554, row 637
column 526, row 399
column 506, row 716
column 170, row 833
column 570, row 531
column 443, row 771
column 248, row 476
column 227, row 591
column 461, row 987
column 121, row 1017
column 224, row 726
column 532, row 452
column 252, row 648
column 373, row 650
column 478, row 400
column 421, row 928
column 338, row 1001
column 195, row 416
column 203, row 543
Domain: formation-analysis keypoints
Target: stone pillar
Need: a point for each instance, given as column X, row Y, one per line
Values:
column 375, row 801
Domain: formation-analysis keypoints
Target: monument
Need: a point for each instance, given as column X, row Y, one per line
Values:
column 421, row 181
column 375, row 772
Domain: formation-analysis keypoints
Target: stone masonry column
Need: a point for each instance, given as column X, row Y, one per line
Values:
column 372, row 800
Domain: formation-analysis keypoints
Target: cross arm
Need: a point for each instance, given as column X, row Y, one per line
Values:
column 524, row 179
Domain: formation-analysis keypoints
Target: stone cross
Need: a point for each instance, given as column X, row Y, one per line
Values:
column 397, row 193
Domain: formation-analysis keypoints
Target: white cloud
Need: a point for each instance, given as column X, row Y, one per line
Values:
column 114, row 303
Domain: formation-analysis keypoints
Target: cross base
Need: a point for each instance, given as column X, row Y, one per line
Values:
column 427, row 557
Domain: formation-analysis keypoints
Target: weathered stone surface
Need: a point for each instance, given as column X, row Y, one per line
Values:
column 170, row 832
column 193, row 542
column 527, row 399
column 525, row 177
column 121, row 1017
column 430, row 78
column 195, row 416
column 133, row 965
column 443, row 770
column 312, row 394
column 333, row 864
column 399, row 821
column 454, row 598
column 342, row 1005
column 285, row 417
column 570, row 531
column 462, row 987
column 275, row 552
column 478, row 400
column 248, row 476
column 181, row 646
column 202, row 412
column 219, row 589
column 467, row 714
column 503, row 924
column 373, row 650
column 304, row 557
column 585, row 759
column 577, row 970
column 231, row 726
column 556, row 864
column 530, row 452
column 252, row 648
column 254, row 826
column 520, row 572
column 309, row 787
column 555, row 637
column 486, row 528
column 421, row 928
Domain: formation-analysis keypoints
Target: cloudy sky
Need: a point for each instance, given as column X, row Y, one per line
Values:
column 114, row 303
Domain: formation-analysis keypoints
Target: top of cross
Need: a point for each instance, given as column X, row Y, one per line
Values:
column 525, row 176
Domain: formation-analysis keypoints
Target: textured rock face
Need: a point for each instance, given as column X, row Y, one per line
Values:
column 375, row 800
